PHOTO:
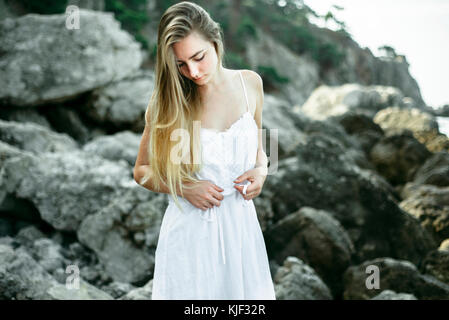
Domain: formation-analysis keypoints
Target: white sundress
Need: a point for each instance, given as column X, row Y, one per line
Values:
column 218, row 253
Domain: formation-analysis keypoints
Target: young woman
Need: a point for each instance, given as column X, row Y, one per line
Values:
column 210, row 243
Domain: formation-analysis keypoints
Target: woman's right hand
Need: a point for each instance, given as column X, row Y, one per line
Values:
column 204, row 195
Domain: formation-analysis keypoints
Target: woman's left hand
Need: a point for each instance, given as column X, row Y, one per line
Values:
column 256, row 177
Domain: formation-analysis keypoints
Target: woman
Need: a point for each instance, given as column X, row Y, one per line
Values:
column 210, row 243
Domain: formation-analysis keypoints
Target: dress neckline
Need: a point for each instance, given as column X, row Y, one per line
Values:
column 230, row 128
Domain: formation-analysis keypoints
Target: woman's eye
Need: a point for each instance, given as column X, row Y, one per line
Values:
column 200, row 58
column 182, row 64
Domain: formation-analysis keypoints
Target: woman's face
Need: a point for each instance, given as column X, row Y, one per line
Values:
column 196, row 58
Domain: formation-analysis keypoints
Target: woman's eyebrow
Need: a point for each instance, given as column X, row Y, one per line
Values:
column 191, row 56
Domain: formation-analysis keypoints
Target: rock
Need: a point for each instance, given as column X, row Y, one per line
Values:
column 430, row 206
column 436, row 264
column 23, row 115
column 360, row 65
column 398, row 157
column 21, row 277
column 48, row 255
column 122, row 104
column 362, row 128
column 118, row 289
column 295, row 280
column 396, row 275
column 397, row 120
column 84, row 291
column 143, row 293
column 434, row 171
column 444, row 246
column 421, row 123
column 301, row 72
column 110, row 233
column 28, row 235
column 316, row 238
column 66, row 119
column 34, row 138
column 278, row 116
column 326, row 101
column 324, row 177
column 391, row 295
column 120, row 146
column 65, row 187
column 43, row 61
column 442, row 111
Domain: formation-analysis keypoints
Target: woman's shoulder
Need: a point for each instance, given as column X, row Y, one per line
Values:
column 252, row 78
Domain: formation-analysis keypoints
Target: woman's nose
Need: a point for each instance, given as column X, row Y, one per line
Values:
column 193, row 71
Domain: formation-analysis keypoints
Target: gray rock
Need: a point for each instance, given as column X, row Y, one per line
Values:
column 21, row 277
column 35, row 138
column 24, row 115
column 295, row 280
column 48, row 254
column 28, row 235
column 362, row 128
column 325, row 177
column 143, row 293
column 316, row 238
column 123, row 103
column 302, row 72
column 120, row 146
column 391, row 295
column 436, row 264
column 278, row 116
column 111, row 234
column 398, row 157
column 118, row 289
column 434, row 171
column 65, row 187
column 82, row 291
column 44, row 61
column 396, row 275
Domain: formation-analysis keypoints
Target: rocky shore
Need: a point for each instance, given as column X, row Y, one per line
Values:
column 361, row 182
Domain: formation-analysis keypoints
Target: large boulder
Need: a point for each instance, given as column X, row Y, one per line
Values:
column 326, row 101
column 324, row 176
column 44, row 61
column 316, row 238
column 295, row 280
column 396, row 275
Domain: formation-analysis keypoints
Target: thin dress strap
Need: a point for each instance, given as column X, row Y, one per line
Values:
column 244, row 90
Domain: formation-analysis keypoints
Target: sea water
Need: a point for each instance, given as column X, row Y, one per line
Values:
column 443, row 124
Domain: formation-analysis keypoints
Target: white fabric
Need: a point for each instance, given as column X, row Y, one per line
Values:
column 218, row 253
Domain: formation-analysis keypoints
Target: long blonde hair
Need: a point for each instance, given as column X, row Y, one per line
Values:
column 176, row 102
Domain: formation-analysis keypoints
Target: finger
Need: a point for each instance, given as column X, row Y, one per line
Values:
column 240, row 178
column 214, row 202
column 217, row 195
column 219, row 189
column 239, row 189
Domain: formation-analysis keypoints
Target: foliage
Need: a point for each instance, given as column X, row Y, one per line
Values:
column 270, row 76
column 131, row 14
column 234, row 61
column 43, row 6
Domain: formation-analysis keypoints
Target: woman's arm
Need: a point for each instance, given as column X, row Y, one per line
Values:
column 261, row 159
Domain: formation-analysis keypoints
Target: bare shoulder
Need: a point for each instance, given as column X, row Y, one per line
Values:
column 255, row 89
column 253, row 79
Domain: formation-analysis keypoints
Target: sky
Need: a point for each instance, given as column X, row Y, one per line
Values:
column 418, row 29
